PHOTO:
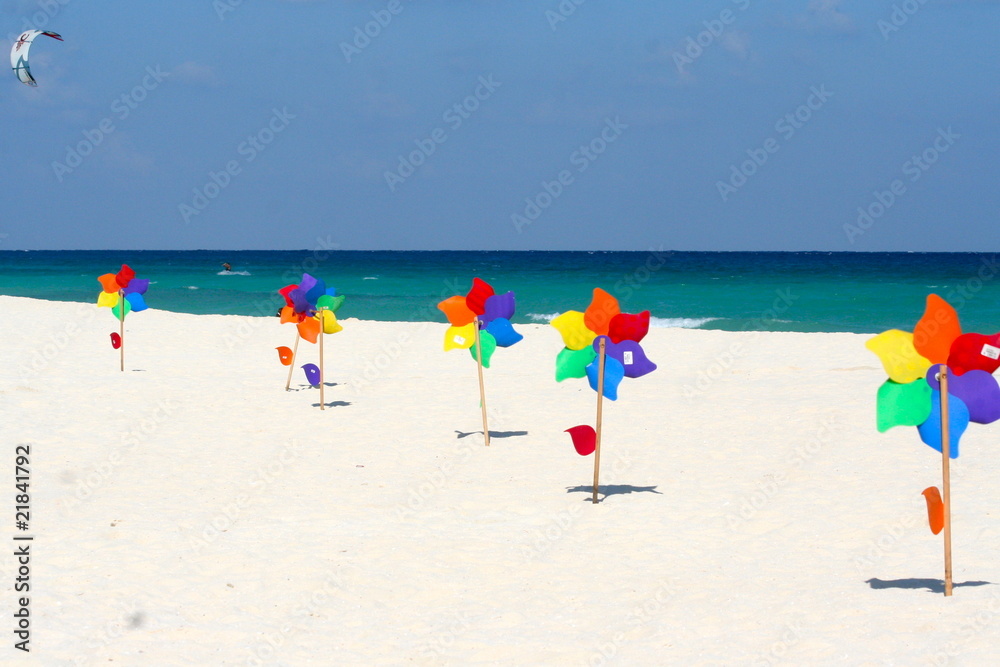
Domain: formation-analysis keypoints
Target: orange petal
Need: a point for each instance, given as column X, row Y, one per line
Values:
column 598, row 315
column 457, row 311
column 288, row 315
column 936, row 330
column 309, row 329
column 109, row 283
column 935, row 509
column 285, row 355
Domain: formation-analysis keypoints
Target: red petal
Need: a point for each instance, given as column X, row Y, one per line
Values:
column 626, row 326
column 584, row 439
column 476, row 298
column 124, row 276
column 284, row 292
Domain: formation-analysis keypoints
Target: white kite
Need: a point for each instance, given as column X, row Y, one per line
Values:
column 19, row 54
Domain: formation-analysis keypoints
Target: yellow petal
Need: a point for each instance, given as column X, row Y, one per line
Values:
column 460, row 337
column 107, row 299
column 900, row 359
column 330, row 324
column 575, row 333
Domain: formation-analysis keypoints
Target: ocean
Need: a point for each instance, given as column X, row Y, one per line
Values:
column 735, row 291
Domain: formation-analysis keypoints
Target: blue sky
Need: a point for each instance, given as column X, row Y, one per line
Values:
column 724, row 125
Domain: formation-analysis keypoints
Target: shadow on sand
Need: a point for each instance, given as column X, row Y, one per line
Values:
column 931, row 585
column 493, row 434
column 605, row 490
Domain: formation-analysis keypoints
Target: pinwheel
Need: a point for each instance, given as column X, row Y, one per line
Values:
column 602, row 344
column 940, row 380
column 310, row 305
column 122, row 293
column 480, row 322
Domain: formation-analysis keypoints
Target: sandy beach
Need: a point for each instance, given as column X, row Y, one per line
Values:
column 191, row 511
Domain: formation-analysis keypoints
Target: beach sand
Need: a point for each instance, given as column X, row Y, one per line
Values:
column 191, row 511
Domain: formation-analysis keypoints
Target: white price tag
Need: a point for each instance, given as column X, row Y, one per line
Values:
column 991, row 351
column 459, row 340
column 627, row 356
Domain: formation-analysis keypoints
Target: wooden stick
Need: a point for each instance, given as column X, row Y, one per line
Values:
column 946, row 478
column 322, row 374
column 482, row 389
column 121, row 326
column 291, row 366
column 600, row 404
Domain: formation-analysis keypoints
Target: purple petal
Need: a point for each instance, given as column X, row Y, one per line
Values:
column 299, row 301
column 312, row 374
column 977, row 389
column 629, row 354
column 137, row 286
column 499, row 306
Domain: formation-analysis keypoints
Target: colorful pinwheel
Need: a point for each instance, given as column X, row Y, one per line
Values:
column 939, row 380
column 307, row 305
column 122, row 293
column 602, row 344
column 480, row 322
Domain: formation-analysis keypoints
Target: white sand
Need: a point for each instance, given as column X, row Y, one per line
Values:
column 190, row 511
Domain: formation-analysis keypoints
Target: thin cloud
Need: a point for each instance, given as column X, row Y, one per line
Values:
column 191, row 72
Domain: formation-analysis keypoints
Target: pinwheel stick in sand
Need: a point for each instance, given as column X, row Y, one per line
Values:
column 940, row 380
column 480, row 320
column 311, row 306
column 600, row 417
column 602, row 344
column 291, row 362
column 122, row 292
column 946, row 479
column 482, row 387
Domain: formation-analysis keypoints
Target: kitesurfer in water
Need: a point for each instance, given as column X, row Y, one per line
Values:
column 227, row 266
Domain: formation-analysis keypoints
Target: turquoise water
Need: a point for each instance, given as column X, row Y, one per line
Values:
column 817, row 291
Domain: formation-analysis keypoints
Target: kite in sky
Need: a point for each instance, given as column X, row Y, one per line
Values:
column 19, row 54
